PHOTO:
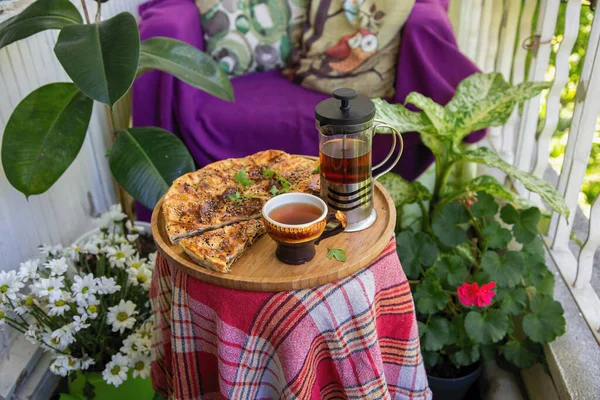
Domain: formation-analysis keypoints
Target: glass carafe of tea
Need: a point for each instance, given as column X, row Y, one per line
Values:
column 347, row 125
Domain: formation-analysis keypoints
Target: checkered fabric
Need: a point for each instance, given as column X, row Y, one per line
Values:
column 356, row 338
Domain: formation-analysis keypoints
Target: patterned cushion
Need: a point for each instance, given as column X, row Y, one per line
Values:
column 247, row 36
column 351, row 43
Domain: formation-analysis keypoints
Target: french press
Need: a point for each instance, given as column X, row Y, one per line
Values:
column 347, row 125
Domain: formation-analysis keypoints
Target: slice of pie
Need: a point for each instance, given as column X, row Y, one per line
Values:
column 212, row 198
column 218, row 249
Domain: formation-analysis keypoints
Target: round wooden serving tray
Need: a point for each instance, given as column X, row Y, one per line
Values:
column 259, row 270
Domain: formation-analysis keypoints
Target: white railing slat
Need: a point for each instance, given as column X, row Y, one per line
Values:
column 483, row 49
column 494, row 36
column 548, row 10
column 581, row 136
column 586, row 256
column 571, row 30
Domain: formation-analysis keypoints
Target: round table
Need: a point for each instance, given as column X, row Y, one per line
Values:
column 353, row 338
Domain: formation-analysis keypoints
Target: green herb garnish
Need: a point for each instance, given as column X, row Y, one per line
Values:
column 338, row 254
column 269, row 173
column 241, row 178
column 274, row 190
column 235, row 197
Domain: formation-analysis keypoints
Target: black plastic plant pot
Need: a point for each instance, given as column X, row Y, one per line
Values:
column 453, row 388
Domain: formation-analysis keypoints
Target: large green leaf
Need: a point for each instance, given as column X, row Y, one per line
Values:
column 415, row 250
column 434, row 112
column 485, row 206
column 402, row 118
column 523, row 354
column 402, row 191
column 44, row 135
column 483, row 100
column 39, row 16
column 546, row 321
column 487, row 328
column 187, row 63
column 452, row 269
column 483, row 155
column 101, row 59
column 436, row 334
column 146, row 161
column 447, row 224
column 506, row 271
column 513, row 301
column 496, row 237
column 430, row 297
column 525, row 222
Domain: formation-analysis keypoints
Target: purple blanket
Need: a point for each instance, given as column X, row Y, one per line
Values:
column 270, row 112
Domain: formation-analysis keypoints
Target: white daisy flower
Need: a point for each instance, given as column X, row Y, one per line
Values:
column 121, row 316
column 93, row 247
column 113, row 239
column 107, row 286
column 79, row 322
column 51, row 251
column 33, row 334
column 116, row 370
column 73, row 252
column 2, row 315
column 118, row 255
column 91, row 310
column 57, row 267
column 130, row 346
column 136, row 262
column 141, row 276
column 10, row 285
column 116, row 213
column 86, row 362
column 28, row 270
column 146, row 329
column 132, row 228
column 152, row 260
column 60, row 306
column 141, row 366
column 132, row 237
column 58, row 367
column 83, row 288
column 50, row 287
column 62, row 337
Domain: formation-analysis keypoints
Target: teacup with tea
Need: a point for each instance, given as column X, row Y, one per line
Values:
column 297, row 222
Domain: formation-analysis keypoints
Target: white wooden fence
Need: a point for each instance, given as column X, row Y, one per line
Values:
column 492, row 33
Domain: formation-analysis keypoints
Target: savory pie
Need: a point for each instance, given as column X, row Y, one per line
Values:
column 202, row 205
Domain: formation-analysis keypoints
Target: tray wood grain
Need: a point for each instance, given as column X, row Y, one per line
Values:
column 259, row 269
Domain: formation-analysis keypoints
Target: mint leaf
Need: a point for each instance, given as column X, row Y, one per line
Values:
column 513, row 301
column 546, row 321
column 506, row 271
column 465, row 356
column 430, row 297
column 285, row 185
column 338, row 254
column 523, row 354
column 415, row 251
column 525, row 222
column 235, row 197
column 274, row 190
column 486, row 206
column 241, row 178
column 496, row 236
column 486, row 328
column 446, row 224
column 436, row 334
column 269, row 173
column 452, row 269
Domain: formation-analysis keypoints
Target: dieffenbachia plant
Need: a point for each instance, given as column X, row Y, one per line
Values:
column 469, row 288
column 103, row 58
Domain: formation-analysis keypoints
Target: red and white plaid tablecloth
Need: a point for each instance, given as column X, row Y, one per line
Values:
column 356, row 338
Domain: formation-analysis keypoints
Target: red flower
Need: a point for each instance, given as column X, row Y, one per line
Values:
column 471, row 294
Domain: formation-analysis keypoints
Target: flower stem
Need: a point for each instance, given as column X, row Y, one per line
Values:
column 85, row 12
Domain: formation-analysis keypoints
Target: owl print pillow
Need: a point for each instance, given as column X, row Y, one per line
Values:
column 350, row 43
column 247, row 36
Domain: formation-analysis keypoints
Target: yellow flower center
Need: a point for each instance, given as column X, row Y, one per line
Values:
column 50, row 288
column 139, row 365
column 60, row 303
column 1, row 314
column 93, row 309
column 122, row 316
column 136, row 265
column 29, row 301
column 77, row 249
column 71, row 362
column 3, row 288
column 85, row 289
column 54, row 340
column 119, row 255
column 115, row 370
column 141, row 278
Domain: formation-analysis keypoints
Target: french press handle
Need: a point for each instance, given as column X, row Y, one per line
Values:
column 397, row 137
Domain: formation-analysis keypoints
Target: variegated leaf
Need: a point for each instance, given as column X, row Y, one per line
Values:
column 402, row 118
column 435, row 112
column 483, row 155
column 402, row 191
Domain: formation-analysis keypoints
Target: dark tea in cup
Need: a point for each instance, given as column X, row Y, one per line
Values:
column 296, row 213
column 345, row 161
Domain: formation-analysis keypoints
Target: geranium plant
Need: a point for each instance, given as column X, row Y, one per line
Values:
column 476, row 262
column 86, row 304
